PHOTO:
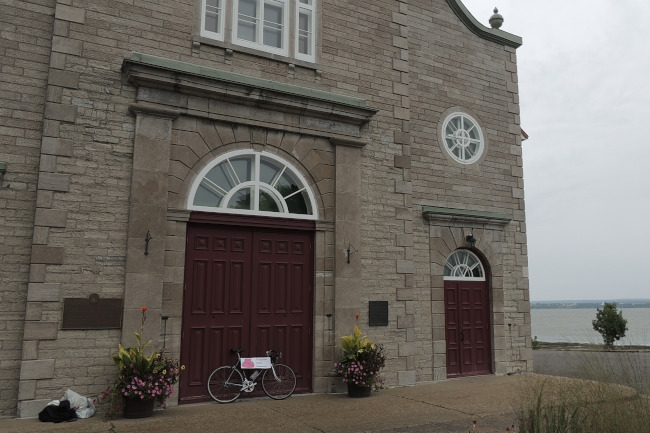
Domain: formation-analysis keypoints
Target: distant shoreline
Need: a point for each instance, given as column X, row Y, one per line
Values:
column 583, row 305
column 590, row 347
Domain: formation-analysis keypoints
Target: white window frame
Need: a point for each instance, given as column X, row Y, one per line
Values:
column 460, row 259
column 461, row 138
column 222, row 21
column 311, row 7
column 256, row 185
column 290, row 39
column 258, row 44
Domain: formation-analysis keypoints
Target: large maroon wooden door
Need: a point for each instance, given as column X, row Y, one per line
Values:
column 248, row 289
column 467, row 316
column 281, row 300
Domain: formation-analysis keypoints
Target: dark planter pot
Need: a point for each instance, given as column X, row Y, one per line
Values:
column 358, row 391
column 138, row 408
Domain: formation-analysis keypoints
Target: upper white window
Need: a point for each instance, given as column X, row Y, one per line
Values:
column 261, row 24
column 265, row 25
column 463, row 265
column 462, row 138
column 248, row 182
column 305, row 40
column 212, row 19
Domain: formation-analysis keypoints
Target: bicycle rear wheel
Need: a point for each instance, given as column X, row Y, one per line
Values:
column 225, row 384
column 280, row 385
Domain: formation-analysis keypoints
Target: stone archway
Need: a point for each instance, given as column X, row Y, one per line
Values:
column 448, row 232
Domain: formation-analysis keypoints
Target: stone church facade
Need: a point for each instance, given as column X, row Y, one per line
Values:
column 256, row 173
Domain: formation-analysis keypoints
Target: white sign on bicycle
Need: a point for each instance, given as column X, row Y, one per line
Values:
column 260, row 362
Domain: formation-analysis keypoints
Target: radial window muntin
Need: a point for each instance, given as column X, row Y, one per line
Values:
column 254, row 183
column 464, row 265
column 463, row 138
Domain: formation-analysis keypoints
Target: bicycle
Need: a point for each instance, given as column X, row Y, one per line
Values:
column 225, row 384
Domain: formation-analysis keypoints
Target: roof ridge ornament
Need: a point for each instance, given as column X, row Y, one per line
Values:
column 495, row 35
column 496, row 20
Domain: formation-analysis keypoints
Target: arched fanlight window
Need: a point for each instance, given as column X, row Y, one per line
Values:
column 257, row 183
column 464, row 265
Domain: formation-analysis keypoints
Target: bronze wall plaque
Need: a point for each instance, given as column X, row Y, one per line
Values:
column 378, row 313
column 92, row 313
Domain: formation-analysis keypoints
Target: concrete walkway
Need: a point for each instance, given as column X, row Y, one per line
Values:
column 440, row 407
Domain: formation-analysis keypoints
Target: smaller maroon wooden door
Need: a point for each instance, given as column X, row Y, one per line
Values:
column 467, row 316
column 249, row 289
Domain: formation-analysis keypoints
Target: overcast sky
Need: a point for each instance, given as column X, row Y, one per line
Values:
column 584, row 75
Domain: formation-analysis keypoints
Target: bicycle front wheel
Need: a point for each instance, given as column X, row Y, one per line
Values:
column 280, row 385
column 225, row 384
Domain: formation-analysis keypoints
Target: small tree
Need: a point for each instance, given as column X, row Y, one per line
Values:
column 610, row 323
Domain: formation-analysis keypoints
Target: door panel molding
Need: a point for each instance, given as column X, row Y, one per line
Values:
column 467, row 324
column 246, row 287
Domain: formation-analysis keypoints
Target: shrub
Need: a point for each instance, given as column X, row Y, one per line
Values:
column 536, row 345
column 610, row 324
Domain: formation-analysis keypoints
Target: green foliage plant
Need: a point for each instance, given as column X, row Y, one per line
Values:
column 141, row 375
column 354, row 345
column 610, row 324
column 362, row 359
column 135, row 357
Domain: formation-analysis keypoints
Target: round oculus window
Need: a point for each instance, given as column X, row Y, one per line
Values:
column 462, row 138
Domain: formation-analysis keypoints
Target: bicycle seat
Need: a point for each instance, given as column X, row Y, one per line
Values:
column 237, row 350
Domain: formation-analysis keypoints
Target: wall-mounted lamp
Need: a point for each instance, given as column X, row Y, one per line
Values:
column 164, row 319
column 470, row 240
column 351, row 250
column 146, row 243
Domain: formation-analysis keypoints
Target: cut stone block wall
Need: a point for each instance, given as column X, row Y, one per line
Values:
column 67, row 213
column 25, row 42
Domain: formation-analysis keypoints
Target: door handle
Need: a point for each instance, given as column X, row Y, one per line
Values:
column 462, row 336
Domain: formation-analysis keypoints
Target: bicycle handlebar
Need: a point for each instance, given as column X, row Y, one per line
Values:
column 273, row 354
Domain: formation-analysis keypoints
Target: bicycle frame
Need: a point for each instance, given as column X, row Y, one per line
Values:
column 249, row 384
column 226, row 383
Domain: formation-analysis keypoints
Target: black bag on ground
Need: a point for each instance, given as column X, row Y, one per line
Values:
column 60, row 413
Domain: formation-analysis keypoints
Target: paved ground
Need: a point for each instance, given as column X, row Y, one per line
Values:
column 441, row 407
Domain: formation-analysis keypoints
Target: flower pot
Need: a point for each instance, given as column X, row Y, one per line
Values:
column 138, row 408
column 358, row 391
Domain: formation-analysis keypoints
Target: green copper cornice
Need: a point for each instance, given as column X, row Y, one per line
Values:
column 494, row 35
column 463, row 215
column 245, row 80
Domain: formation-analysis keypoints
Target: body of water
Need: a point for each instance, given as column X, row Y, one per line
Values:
column 574, row 326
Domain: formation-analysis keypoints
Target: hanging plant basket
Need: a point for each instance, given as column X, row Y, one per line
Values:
column 135, row 407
